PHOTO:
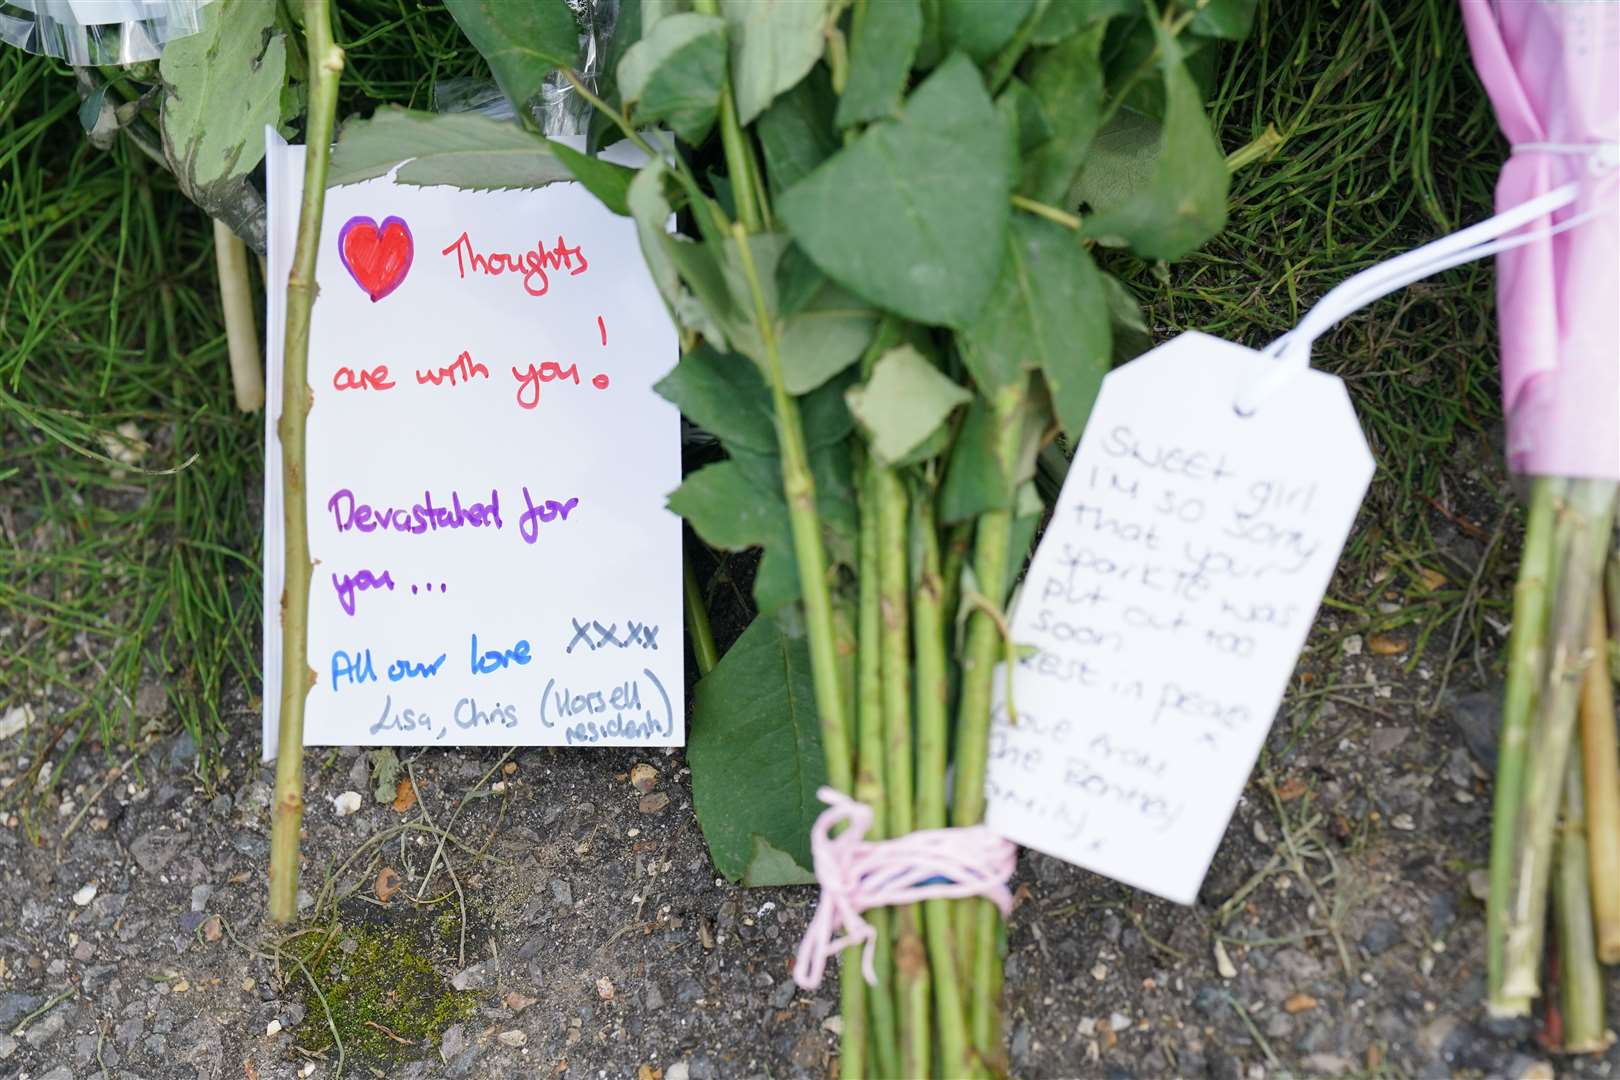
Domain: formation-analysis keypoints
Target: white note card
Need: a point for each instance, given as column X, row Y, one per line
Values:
column 1165, row 609
column 486, row 475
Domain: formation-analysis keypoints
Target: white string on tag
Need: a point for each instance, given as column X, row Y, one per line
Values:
column 1292, row 351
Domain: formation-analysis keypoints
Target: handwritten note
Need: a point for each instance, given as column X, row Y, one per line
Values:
column 1165, row 609
column 487, row 467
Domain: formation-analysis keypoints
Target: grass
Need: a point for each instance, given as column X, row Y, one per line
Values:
column 1387, row 142
column 128, row 535
column 129, row 564
column 129, row 484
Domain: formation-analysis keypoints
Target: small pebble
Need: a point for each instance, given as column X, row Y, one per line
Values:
column 652, row 804
column 85, row 895
column 644, row 778
column 273, row 1027
column 1223, row 962
column 513, row 1038
column 346, row 803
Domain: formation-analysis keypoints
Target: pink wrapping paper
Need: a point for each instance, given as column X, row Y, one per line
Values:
column 1552, row 70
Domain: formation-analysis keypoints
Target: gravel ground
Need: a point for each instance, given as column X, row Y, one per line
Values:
column 584, row 932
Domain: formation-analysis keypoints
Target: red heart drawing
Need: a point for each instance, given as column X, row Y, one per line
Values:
column 377, row 256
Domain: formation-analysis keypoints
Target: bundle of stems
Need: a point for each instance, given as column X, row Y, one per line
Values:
column 1557, row 813
column 880, row 651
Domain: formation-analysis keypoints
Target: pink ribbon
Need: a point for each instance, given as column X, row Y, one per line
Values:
column 857, row 874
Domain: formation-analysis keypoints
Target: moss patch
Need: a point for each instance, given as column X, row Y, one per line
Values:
column 384, row 985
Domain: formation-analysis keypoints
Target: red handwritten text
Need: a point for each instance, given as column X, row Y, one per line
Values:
column 533, row 265
column 465, row 369
column 528, row 390
column 375, row 379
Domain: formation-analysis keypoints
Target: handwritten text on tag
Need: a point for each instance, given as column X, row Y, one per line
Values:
column 1165, row 608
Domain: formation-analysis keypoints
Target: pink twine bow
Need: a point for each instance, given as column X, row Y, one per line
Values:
column 857, row 874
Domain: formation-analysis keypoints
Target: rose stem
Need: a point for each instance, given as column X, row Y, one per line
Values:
column 1525, row 660
column 1580, row 978
column 983, row 649
column 869, row 775
column 1583, row 523
column 325, row 67
column 911, row 959
column 929, row 621
column 1601, row 758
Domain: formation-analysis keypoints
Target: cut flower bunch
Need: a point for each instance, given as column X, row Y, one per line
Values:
column 876, row 226
column 882, row 269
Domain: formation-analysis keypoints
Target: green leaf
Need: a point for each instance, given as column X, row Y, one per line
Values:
column 736, row 505
column 1065, row 17
column 774, row 44
column 610, row 183
column 797, row 280
column 827, row 335
column 522, row 42
column 755, row 753
column 1120, row 164
column 974, row 483
column 726, row 509
column 223, row 86
column 725, row 395
column 976, row 480
column 1049, row 311
column 1027, row 116
column 1182, row 203
column 90, row 110
column 1229, row 19
column 903, row 403
column 796, row 132
column 461, row 150
column 980, row 28
column 930, row 49
column 1067, row 82
column 675, row 73
column 827, row 422
column 880, row 55
column 892, row 215
column 654, row 10
column 667, row 255
column 771, row 867
column 1132, row 337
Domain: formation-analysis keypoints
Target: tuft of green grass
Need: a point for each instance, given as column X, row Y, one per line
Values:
column 127, row 546
column 1386, row 142
column 130, row 486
